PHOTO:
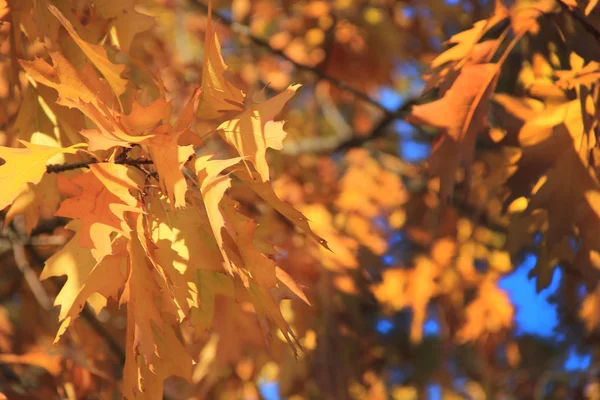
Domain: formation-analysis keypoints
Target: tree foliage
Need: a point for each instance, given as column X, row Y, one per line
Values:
column 207, row 225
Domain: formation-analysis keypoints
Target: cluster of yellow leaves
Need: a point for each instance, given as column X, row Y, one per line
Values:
column 447, row 271
column 552, row 182
column 155, row 228
column 545, row 179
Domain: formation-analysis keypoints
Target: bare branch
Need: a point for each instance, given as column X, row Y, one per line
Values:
column 56, row 168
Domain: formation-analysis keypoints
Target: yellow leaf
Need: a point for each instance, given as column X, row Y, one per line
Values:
column 254, row 131
column 84, row 277
column 70, row 83
column 490, row 312
column 213, row 187
column 219, row 97
column 183, row 238
column 128, row 24
column 35, row 201
column 96, row 54
column 241, row 229
column 23, row 166
column 590, row 310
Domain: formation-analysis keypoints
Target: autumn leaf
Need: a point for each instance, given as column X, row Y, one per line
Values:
column 126, row 21
column 213, row 187
column 23, row 166
column 580, row 73
column 169, row 156
column 341, row 250
column 84, row 91
column 489, row 313
column 142, row 118
column 554, row 168
column 461, row 114
column 96, row 54
column 590, row 310
column 412, row 288
column 466, row 49
column 101, row 205
column 4, row 9
column 242, row 229
column 254, row 131
column 219, row 97
column 70, row 83
column 154, row 352
column 85, row 277
column 35, row 201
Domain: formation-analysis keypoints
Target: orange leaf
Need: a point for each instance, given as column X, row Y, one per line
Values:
column 35, row 201
column 169, row 157
column 96, row 54
column 219, row 97
column 149, row 334
column 99, row 209
column 461, row 113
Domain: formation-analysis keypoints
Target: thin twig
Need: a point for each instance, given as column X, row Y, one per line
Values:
column 30, row 276
column 56, row 168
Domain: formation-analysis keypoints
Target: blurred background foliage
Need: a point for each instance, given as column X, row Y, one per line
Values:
column 417, row 299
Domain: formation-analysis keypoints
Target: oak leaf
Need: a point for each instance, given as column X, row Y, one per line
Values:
column 153, row 350
column 101, row 205
column 35, row 201
column 254, row 131
column 219, row 97
column 461, row 113
column 23, row 166
column 213, row 186
column 85, row 277
column 168, row 156
column 96, row 54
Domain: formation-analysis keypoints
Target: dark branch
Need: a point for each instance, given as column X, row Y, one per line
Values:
column 587, row 25
column 380, row 129
column 56, row 168
column 245, row 30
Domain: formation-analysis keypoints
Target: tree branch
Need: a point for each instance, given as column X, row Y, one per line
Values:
column 576, row 13
column 56, row 168
column 378, row 131
column 245, row 31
